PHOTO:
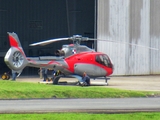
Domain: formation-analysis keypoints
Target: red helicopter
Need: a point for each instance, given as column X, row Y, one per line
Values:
column 72, row 60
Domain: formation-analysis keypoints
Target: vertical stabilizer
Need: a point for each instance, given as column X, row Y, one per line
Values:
column 15, row 58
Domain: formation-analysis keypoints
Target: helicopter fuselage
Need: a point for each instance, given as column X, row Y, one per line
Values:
column 95, row 64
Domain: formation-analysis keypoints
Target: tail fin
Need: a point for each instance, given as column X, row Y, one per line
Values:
column 15, row 58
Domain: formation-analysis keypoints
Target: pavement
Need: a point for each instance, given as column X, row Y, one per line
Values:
column 144, row 83
column 98, row 105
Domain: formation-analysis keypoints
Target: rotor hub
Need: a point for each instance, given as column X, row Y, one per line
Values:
column 78, row 38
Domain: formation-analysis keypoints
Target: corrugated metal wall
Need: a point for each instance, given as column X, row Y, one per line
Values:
column 36, row 20
column 131, row 21
column 155, row 35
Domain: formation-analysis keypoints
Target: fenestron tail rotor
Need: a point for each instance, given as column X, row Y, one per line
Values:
column 17, row 59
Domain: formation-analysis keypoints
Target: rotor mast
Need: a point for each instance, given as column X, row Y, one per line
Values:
column 78, row 38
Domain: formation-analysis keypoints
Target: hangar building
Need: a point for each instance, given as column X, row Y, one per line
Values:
column 124, row 21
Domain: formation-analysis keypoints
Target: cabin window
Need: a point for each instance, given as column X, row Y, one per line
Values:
column 104, row 60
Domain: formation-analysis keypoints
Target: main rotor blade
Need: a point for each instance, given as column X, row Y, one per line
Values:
column 46, row 42
column 125, row 43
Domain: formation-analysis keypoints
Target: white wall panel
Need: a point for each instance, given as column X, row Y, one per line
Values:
column 139, row 23
column 112, row 18
column 155, row 35
column 129, row 21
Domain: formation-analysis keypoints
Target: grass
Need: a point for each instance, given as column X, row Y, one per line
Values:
column 81, row 116
column 25, row 90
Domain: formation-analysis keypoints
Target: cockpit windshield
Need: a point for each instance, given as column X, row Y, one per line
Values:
column 104, row 60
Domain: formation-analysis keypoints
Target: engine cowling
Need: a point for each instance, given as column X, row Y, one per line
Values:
column 60, row 53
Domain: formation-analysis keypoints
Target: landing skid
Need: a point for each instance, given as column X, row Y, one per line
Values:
column 106, row 80
column 55, row 81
